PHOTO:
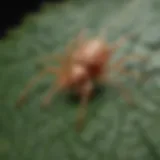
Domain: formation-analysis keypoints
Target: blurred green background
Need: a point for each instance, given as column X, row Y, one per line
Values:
column 113, row 130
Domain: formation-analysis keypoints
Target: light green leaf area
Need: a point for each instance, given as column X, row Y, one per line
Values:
column 114, row 129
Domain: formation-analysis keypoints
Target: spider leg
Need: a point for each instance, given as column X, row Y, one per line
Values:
column 118, row 65
column 50, row 57
column 76, row 42
column 120, row 42
column 81, row 38
column 53, row 90
column 104, row 77
column 33, row 81
column 125, row 93
column 86, row 91
column 69, row 48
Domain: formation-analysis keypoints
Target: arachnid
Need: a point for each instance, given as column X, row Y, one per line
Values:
column 85, row 61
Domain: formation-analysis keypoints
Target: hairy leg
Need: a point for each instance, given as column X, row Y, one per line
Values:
column 33, row 81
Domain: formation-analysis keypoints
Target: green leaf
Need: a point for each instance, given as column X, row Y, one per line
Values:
column 110, row 131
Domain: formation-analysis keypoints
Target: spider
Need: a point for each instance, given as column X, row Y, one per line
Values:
column 85, row 61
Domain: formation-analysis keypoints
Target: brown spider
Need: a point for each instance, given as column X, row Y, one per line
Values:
column 85, row 61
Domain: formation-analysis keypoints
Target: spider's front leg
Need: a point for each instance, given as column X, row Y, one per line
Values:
column 75, row 42
column 85, row 93
column 33, row 81
column 50, row 57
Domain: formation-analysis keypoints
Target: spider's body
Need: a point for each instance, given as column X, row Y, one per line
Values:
column 94, row 55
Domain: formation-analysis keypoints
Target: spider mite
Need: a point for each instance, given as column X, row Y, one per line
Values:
column 85, row 61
